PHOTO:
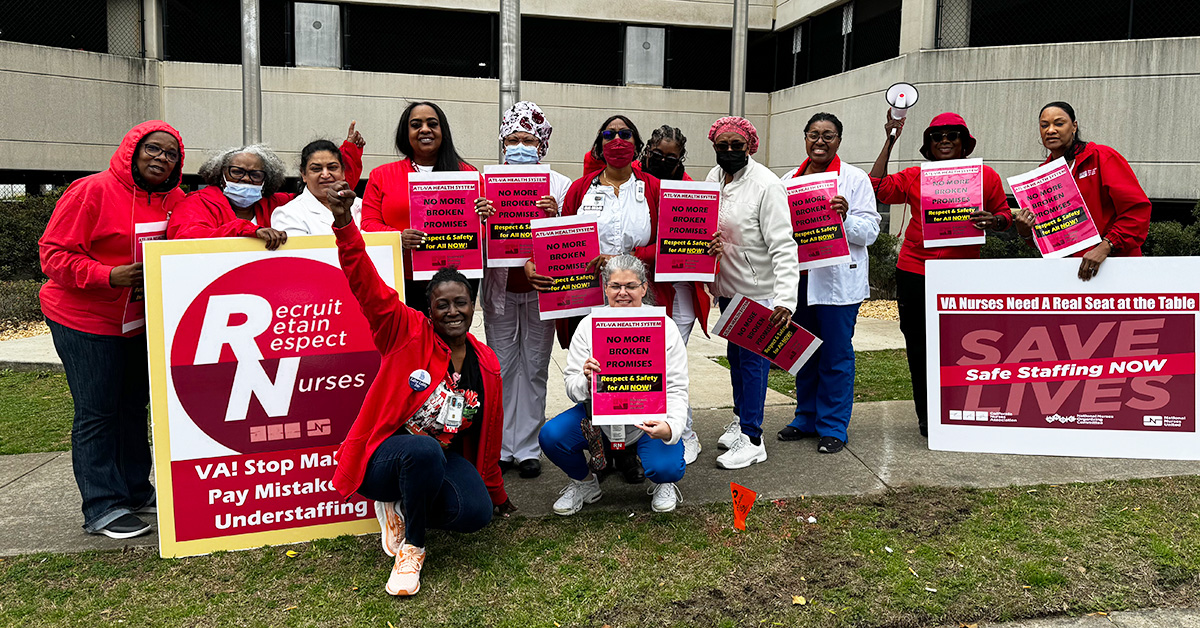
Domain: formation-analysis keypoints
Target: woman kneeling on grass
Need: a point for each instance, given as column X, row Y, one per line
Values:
column 426, row 444
column 564, row 437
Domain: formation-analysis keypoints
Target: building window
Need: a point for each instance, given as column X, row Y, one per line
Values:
column 420, row 41
column 964, row 23
column 571, row 51
column 110, row 27
column 211, row 32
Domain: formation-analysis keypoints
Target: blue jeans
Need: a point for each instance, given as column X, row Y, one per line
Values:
column 110, row 446
column 563, row 443
column 748, row 373
column 436, row 488
column 825, row 384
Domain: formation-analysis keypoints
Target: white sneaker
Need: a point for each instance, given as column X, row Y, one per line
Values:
column 406, row 572
column 391, row 527
column 742, row 454
column 666, row 497
column 691, row 448
column 576, row 494
column 732, row 432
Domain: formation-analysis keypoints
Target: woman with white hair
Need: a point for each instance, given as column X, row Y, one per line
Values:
column 566, row 436
column 243, row 191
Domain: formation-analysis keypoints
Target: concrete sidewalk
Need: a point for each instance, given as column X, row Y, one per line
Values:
column 1151, row 618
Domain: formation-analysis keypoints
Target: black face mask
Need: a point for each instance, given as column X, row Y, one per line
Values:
column 663, row 169
column 733, row 160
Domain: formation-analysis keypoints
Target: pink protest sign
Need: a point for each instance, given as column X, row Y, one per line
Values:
column 817, row 228
column 135, row 307
column 1063, row 223
column 745, row 323
column 687, row 219
column 950, row 191
column 513, row 191
column 562, row 248
column 442, row 204
column 630, row 343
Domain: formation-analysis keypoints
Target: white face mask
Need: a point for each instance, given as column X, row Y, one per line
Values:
column 242, row 194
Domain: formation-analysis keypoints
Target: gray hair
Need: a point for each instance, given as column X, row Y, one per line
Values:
column 624, row 262
column 213, row 170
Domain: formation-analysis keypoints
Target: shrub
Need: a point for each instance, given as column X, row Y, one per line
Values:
column 1006, row 245
column 25, row 219
column 1168, row 238
column 19, row 303
column 882, row 266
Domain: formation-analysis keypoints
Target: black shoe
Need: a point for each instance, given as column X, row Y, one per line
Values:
column 830, row 445
column 924, row 427
column 507, row 465
column 630, row 466
column 530, row 468
column 126, row 526
column 791, row 433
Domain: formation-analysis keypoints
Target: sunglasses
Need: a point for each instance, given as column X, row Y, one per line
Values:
column 671, row 159
column 722, row 147
column 608, row 134
column 949, row 136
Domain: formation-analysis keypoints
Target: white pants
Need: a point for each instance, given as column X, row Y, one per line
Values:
column 684, row 316
column 522, row 343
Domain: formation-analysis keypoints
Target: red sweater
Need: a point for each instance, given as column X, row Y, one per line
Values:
column 407, row 342
column 207, row 213
column 664, row 291
column 905, row 187
column 1114, row 198
column 385, row 203
column 91, row 232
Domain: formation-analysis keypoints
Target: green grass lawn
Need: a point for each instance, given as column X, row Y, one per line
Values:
column 35, row 412
column 956, row 555
column 878, row 376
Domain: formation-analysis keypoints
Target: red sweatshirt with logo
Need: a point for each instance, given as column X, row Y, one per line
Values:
column 1114, row 198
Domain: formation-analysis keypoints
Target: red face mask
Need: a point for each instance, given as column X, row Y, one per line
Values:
column 618, row 153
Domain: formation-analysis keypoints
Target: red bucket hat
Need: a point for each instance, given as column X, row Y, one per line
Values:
column 948, row 119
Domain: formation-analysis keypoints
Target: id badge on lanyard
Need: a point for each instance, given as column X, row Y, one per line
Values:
column 593, row 201
column 618, row 437
column 454, row 414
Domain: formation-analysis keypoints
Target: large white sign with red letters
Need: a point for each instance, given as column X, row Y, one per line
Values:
column 259, row 363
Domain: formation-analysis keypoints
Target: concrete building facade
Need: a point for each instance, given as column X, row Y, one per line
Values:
column 66, row 110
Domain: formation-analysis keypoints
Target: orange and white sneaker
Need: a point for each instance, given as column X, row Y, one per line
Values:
column 391, row 527
column 406, row 573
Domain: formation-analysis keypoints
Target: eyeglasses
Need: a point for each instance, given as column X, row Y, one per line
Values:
column 723, row 147
column 814, row 136
column 671, row 159
column 627, row 287
column 154, row 150
column 608, row 134
column 528, row 141
column 949, row 136
column 237, row 175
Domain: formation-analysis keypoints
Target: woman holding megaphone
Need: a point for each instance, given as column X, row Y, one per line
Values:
column 946, row 137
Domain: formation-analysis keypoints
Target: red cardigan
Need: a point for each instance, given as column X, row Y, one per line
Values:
column 905, row 187
column 407, row 342
column 1114, row 198
column 385, row 203
column 664, row 291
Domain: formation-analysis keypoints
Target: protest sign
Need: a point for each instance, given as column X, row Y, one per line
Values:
column 687, row 220
column 562, row 249
column 442, row 205
column 1063, row 224
column 745, row 323
column 630, row 343
column 135, row 305
column 818, row 230
column 259, row 362
column 1035, row 361
column 950, row 191
column 513, row 191
column 743, row 500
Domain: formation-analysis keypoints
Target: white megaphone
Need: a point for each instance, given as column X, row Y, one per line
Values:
column 901, row 96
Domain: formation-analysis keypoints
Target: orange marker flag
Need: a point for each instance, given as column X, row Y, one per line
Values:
column 743, row 499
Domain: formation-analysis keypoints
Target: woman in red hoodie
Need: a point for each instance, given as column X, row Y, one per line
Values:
column 91, row 252
column 947, row 137
column 426, row 443
column 1114, row 197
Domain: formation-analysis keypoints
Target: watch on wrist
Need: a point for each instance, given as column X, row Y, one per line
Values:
column 1111, row 247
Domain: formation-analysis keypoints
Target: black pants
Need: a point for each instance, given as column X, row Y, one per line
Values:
column 910, row 300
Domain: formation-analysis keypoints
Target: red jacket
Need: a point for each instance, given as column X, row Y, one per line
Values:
column 1114, row 198
column 407, row 342
column 91, row 232
column 206, row 213
column 664, row 292
column 385, row 202
column 905, row 187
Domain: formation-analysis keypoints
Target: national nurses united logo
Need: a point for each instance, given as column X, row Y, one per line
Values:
column 262, row 365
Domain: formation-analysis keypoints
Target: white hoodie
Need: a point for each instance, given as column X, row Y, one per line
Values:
column 761, row 260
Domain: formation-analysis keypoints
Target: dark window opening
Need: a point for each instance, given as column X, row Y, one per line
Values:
column 420, row 41
column 73, row 25
column 572, row 51
column 211, row 32
column 1025, row 22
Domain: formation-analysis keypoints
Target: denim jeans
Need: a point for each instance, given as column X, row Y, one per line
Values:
column 825, row 384
column 748, row 373
column 436, row 488
column 563, row 443
column 110, row 447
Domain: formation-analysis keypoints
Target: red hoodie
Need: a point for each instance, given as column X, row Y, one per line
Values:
column 91, row 232
column 1114, row 198
column 407, row 342
column 385, row 203
column 206, row 213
